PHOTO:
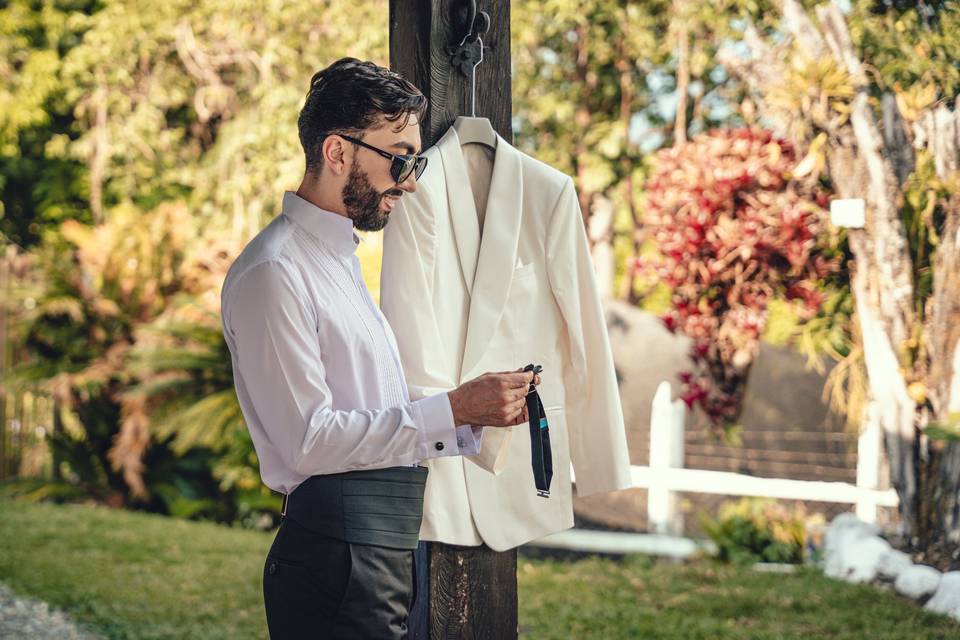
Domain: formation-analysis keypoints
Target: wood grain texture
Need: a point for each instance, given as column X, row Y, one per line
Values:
column 423, row 36
column 473, row 593
column 473, row 590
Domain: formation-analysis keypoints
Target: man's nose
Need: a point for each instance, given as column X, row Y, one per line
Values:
column 410, row 184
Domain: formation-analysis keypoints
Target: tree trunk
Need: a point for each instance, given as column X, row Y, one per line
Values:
column 925, row 473
column 600, row 235
column 683, row 72
column 862, row 163
column 939, row 131
column 101, row 152
column 883, row 278
column 627, row 92
column 582, row 120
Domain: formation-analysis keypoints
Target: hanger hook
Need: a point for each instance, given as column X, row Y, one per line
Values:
column 478, row 23
column 471, row 17
column 473, row 81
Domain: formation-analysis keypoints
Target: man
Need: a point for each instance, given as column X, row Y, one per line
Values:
column 318, row 374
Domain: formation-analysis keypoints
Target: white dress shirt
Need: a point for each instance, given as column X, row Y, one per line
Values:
column 315, row 363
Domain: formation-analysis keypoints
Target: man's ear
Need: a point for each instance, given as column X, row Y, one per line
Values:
column 335, row 153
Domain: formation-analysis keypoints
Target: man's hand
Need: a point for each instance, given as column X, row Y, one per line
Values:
column 493, row 399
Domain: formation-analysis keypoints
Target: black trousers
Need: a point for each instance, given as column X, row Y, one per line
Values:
column 320, row 587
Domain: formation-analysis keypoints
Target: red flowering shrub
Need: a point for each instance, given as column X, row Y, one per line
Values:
column 734, row 230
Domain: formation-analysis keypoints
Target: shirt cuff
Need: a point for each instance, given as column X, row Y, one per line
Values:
column 439, row 436
column 468, row 439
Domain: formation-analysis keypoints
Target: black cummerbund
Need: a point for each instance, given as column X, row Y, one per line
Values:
column 382, row 507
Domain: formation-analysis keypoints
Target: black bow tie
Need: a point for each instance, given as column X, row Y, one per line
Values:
column 541, row 455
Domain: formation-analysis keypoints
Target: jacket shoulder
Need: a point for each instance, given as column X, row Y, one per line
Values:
column 553, row 179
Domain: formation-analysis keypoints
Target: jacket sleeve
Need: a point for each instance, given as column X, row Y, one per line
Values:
column 406, row 299
column 594, row 416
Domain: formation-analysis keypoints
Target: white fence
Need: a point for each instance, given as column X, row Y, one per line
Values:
column 665, row 477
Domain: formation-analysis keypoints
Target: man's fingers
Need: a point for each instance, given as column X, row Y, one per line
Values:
column 520, row 379
column 521, row 415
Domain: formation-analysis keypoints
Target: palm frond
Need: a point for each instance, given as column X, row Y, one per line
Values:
column 210, row 422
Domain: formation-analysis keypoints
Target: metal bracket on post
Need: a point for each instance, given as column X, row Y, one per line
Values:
column 469, row 53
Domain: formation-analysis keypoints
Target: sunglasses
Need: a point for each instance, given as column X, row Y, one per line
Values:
column 402, row 164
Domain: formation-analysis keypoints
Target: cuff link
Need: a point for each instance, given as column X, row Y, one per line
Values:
column 438, row 446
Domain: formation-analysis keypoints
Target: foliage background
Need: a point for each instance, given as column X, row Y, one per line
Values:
column 142, row 143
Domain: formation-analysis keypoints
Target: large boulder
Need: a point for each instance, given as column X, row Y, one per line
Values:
column 892, row 564
column 847, row 554
column 917, row 582
column 860, row 560
column 946, row 599
column 848, row 520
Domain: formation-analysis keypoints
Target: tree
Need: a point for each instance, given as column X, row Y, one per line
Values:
column 94, row 286
column 38, row 185
column 593, row 91
column 891, row 139
column 164, row 134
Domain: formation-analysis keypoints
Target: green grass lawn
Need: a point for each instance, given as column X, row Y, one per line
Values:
column 134, row 575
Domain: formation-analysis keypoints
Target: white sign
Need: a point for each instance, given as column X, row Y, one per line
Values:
column 847, row 212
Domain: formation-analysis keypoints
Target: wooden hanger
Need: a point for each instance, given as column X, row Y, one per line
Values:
column 471, row 129
column 475, row 130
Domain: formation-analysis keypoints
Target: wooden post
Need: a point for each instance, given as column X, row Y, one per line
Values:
column 472, row 590
column 666, row 452
column 423, row 35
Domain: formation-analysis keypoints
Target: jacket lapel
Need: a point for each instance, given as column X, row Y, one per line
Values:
column 463, row 213
column 498, row 247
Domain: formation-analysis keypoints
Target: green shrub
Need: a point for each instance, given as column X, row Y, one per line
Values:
column 758, row 530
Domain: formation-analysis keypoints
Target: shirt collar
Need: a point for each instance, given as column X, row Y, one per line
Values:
column 329, row 227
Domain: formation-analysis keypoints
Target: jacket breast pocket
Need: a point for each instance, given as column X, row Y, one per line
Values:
column 522, row 315
column 523, row 283
column 524, row 271
column 531, row 320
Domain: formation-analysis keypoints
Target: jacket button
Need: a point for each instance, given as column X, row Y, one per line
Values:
column 439, row 446
column 273, row 568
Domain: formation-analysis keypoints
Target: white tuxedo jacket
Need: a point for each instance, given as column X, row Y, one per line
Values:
column 463, row 302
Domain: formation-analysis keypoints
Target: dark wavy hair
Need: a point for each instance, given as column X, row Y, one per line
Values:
column 351, row 95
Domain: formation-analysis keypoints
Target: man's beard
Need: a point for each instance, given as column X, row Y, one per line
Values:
column 362, row 201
